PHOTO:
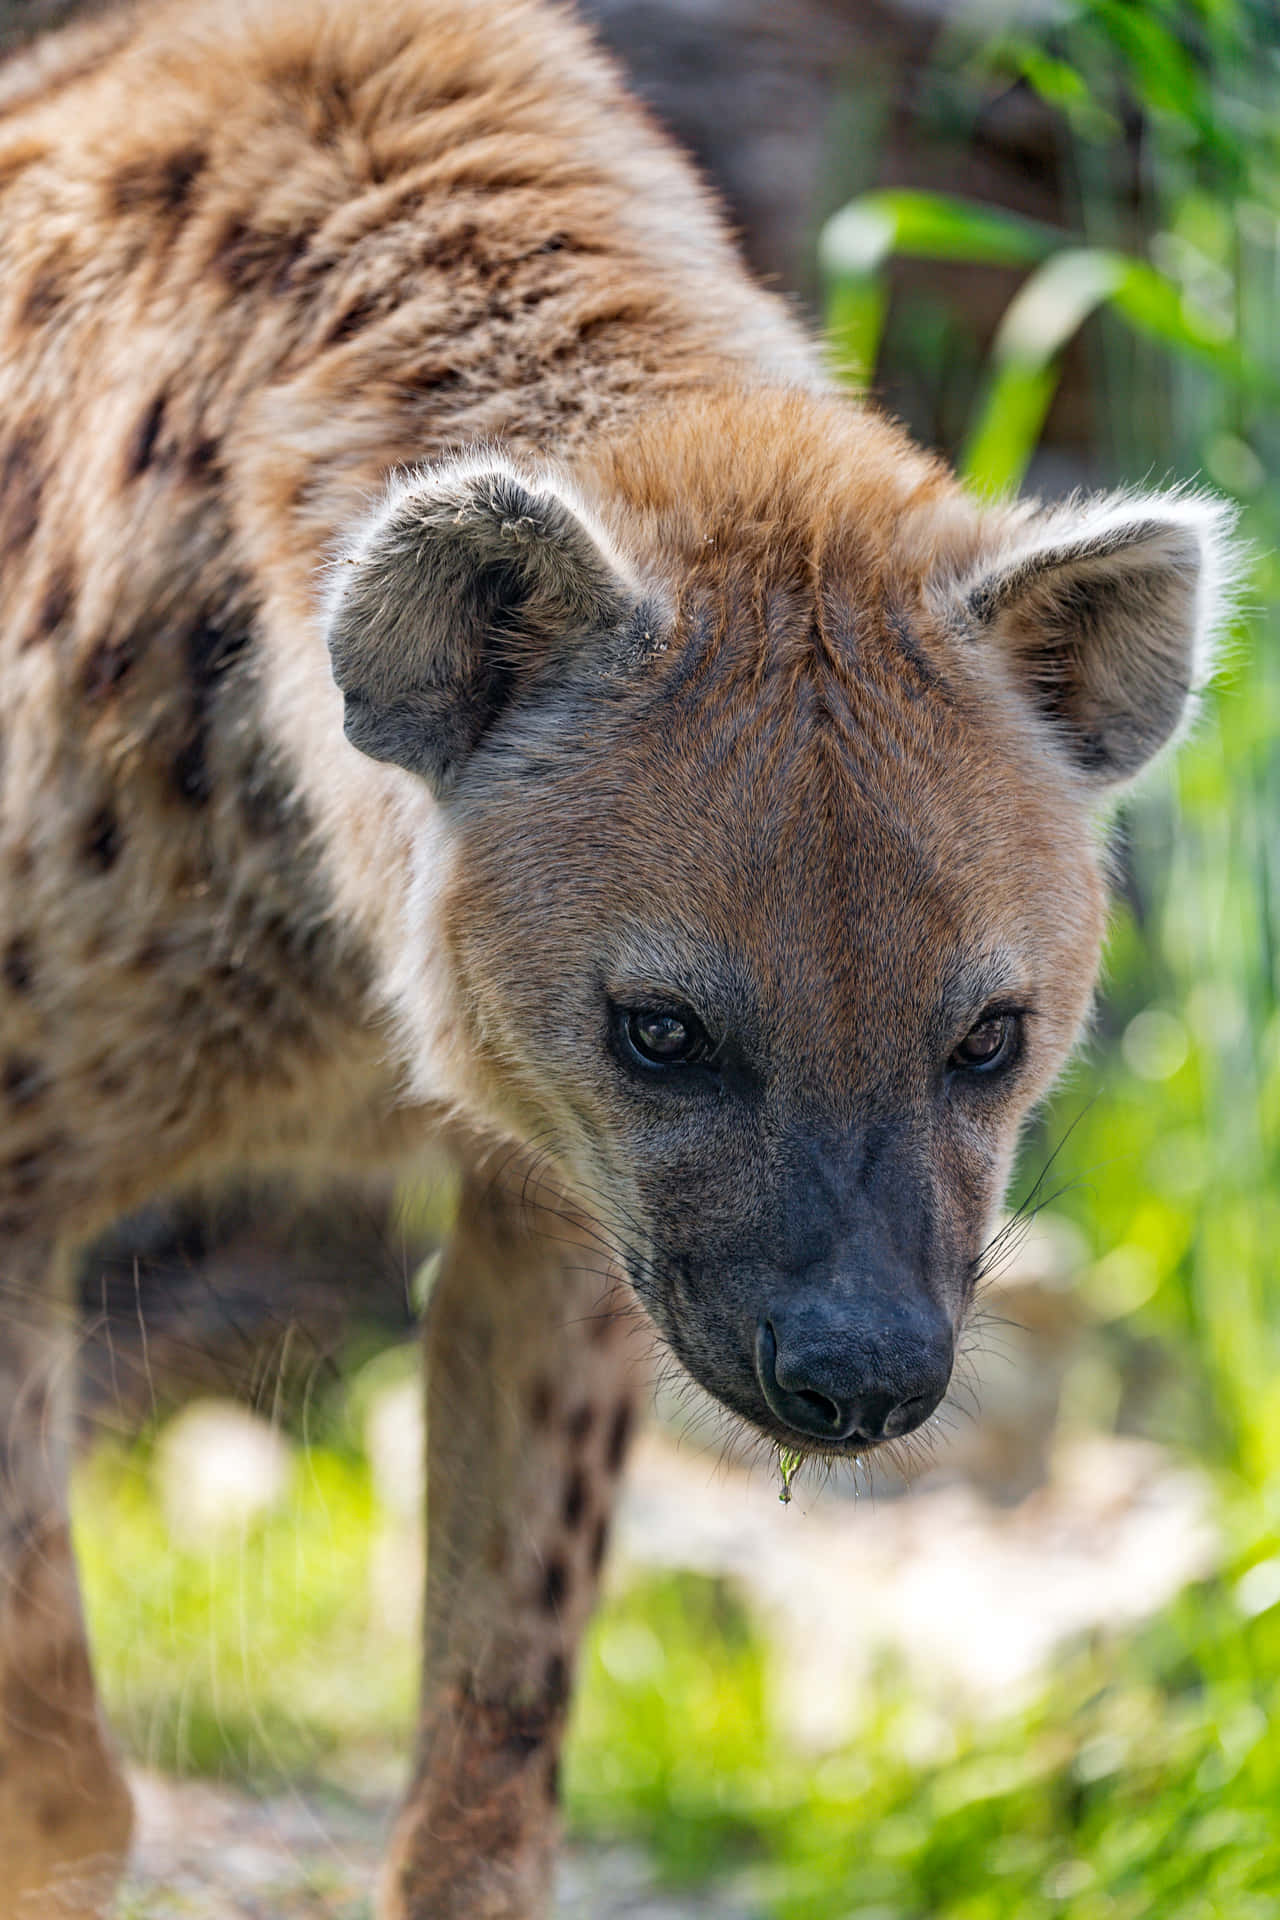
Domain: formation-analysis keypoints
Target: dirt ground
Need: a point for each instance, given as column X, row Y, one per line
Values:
column 212, row 1853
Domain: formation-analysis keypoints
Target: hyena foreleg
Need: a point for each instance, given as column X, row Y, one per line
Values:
column 531, row 1389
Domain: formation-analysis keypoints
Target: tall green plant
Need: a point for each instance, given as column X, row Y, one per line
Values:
column 1069, row 283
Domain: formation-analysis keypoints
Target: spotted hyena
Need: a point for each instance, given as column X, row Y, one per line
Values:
column 469, row 676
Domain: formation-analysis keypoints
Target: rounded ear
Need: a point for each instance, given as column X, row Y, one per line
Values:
column 472, row 582
column 1107, row 612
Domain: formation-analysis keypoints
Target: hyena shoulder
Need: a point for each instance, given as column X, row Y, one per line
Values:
column 257, row 260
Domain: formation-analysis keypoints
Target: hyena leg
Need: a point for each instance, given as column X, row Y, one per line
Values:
column 530, row 1396
column 65, row 1815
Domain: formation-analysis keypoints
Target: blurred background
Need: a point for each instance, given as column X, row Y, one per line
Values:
column 1035, row 1669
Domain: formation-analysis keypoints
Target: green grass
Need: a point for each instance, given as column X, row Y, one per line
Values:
column 258, row 1659
column 1144, row 1783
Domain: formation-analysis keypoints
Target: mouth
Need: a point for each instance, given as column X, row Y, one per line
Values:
column 809, row 1398
column 742, row 1398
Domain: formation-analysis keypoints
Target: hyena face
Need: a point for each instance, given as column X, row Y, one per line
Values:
column 773, row 900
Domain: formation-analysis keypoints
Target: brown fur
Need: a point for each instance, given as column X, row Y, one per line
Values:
column 688, row 680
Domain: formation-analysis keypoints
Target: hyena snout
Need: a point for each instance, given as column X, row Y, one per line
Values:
column 840, row 1364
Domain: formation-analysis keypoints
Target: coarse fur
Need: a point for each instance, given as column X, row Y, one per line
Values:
column 381, row 370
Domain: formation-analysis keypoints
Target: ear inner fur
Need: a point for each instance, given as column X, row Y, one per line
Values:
column 471, row 582
column 1105, row 613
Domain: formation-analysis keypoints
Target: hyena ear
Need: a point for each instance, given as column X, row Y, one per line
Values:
column 471, row 585
column 1107, row 612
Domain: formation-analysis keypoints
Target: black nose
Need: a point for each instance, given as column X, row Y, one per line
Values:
column 831, row 1379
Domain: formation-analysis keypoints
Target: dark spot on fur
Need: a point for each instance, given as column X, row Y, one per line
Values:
column 575, row 1499
column 201, row 457
column 541, row 1401
column 509, row 1733
column 453, row 248
column 105, row 666
column 599, row 1544
column 353, row 320
column 102, row 840
column 626, row 314
column 264, row 799
column 16, row 965
column 141, row 450
column 555, row 1584
column 553, row 1778
column 580, row 1423
column 25, row 1172
column 211, row 647
column 21, row 490
column 236, row 253
column 191, row 779
column 331, row 106
column 247, row 256
column 180, row 173
column 619, row 1437
column 22, row 1079
column 45, row 292
column 435, row 378
column 59, row 597
column 160, row 182
column 555, row 1684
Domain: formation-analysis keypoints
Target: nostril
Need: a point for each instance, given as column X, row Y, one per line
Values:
column 766, row 1350
column 910, row 1414
column 823, row 1407
column 799, row 1407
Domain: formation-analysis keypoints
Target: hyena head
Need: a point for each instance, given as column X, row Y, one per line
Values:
column 770, row 768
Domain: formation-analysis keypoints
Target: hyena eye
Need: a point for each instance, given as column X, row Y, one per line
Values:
column 987, row 1047
column 662, row 1037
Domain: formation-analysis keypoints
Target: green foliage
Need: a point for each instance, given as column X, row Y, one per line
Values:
column 1145, row 1783
column 1069, row 284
